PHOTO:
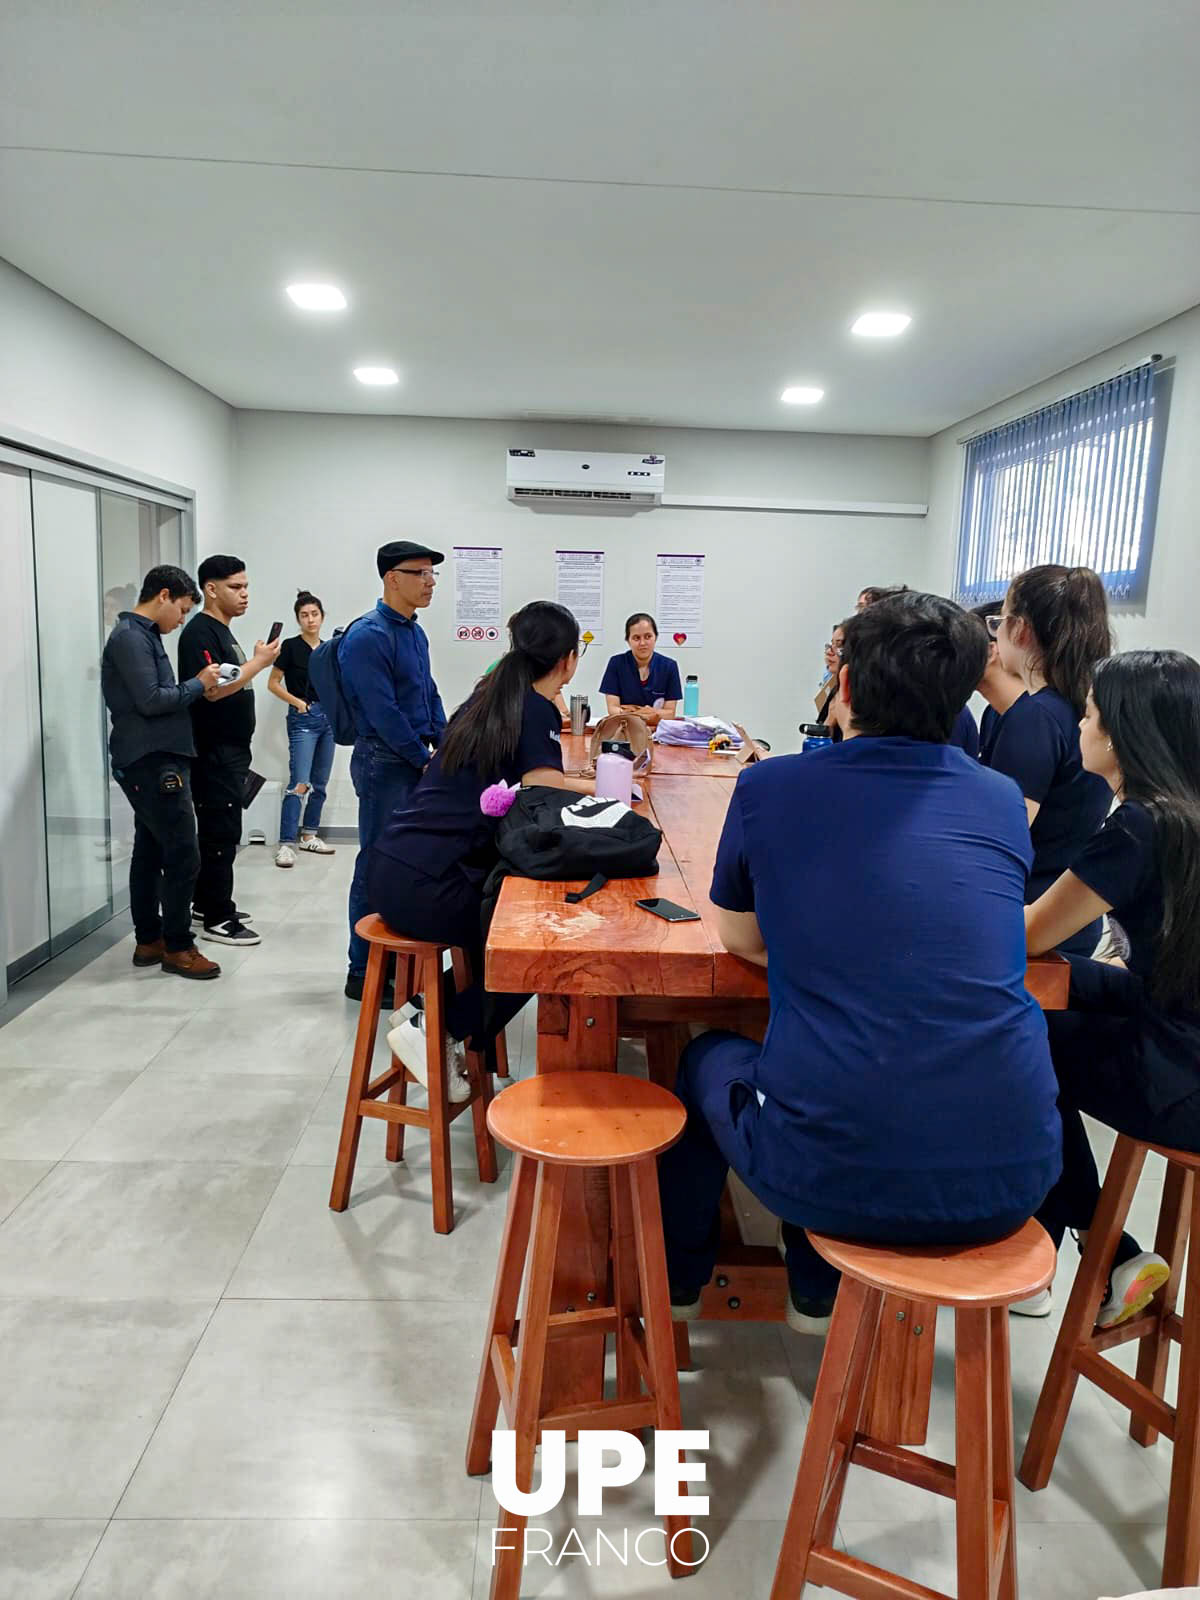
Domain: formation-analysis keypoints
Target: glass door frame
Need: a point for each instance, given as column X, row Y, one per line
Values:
column 47, row 461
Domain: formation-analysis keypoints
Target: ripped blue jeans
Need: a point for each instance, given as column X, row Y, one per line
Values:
column 310, row 760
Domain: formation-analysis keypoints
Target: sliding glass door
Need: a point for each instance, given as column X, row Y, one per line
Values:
column 74, row 548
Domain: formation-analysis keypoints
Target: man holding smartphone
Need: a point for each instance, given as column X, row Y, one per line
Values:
column 223, row 724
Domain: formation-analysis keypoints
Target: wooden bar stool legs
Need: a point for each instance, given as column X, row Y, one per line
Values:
column 971, row 1280
column 418, row 967
column 513, row 1368
column 1080, row 1346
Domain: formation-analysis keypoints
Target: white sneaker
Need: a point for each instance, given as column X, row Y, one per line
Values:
column 397, row 1018
column 317, row 846
column 1131, row 1287
column 285, row 856
column 1037, row 1305
column 407, row 1044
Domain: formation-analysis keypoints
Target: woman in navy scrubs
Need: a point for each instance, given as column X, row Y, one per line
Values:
column 641, row 680
column 1127, row 1049
column 998, row 687
column 903, row 1092
column 430, row 863
column 1052, row 630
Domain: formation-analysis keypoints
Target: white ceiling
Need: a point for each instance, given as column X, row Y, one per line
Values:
column 661, row 209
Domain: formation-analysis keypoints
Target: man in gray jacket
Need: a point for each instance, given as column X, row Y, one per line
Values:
column 151, row 748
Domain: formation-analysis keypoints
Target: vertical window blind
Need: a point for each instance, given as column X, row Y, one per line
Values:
column 1076, row 483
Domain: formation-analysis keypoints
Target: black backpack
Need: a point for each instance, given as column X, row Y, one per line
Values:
column 558, row 834
column 325, row 676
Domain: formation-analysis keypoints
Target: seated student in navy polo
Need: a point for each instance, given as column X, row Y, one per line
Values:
column 903, row 1092
column 640, row 679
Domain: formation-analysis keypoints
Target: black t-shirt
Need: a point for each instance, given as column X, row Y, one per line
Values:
column 1120, row 864
column 1037, row 744
column 228, row 721
column 989, row 727
column 293, row 658
column 442, row 825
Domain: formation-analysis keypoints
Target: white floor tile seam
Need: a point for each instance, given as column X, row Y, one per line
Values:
column 191, row 1357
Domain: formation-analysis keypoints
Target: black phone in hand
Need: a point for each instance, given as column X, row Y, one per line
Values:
column 276, row 630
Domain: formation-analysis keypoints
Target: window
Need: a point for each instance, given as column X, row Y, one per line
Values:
column 1075, row 483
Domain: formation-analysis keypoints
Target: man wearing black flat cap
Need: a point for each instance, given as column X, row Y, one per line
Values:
column 398, row 716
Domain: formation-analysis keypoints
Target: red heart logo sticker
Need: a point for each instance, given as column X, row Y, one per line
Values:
column 680, row 638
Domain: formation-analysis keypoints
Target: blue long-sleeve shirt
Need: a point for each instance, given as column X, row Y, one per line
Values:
column 149, row 709
column 384, row 663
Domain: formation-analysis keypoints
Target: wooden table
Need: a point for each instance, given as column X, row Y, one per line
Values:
column 603, row 970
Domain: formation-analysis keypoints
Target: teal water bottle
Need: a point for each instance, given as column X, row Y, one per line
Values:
column 691, row 695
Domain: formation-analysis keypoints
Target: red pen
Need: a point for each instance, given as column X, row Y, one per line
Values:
column 208, row 658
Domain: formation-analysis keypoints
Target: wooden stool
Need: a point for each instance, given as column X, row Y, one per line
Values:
column 418, row 968
column 1079, row 1346
column 552, row 1122
column 979, row 1282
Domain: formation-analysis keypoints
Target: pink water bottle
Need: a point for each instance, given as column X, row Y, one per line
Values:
column 614, row 772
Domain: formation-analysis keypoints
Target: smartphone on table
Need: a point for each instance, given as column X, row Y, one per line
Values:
column 668, row 910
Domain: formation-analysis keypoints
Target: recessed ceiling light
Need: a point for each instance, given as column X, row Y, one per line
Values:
column 801, row 395
column 376, row 375
column 316, row 296
column 880, row 324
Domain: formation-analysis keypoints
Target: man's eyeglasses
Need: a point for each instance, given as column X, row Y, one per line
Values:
column 417, row 572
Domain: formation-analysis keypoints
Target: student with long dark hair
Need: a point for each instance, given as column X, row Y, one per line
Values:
column 430, row 862
column 1051, row 631
column 1127, row 1049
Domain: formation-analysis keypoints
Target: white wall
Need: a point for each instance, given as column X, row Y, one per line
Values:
column 315, row 496
column 68, row 378
column 1170, row 618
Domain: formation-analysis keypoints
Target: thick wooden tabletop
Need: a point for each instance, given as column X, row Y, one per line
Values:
column 606, row 945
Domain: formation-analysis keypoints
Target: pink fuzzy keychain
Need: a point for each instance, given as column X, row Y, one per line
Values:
column 497, row 799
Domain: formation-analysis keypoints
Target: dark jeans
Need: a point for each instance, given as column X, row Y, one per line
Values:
column 715, row 1083
column 1104, row 1058
column 445, row 910
column 382, row 782
column 218, row 783
column 310, row 760
column 165, row 858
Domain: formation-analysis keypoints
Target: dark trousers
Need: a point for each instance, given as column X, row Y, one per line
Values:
column 165, row 858
column 382, row 783
column 715, row 1083
column 445, row 910
column 1104, row 1059
column 218, row 784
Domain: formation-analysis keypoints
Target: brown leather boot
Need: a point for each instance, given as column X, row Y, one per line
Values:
column 149, row 955
column 189, row 964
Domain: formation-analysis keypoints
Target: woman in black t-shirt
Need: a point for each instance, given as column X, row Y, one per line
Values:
column 310, row 737
column 430, row 863
column 1051, row 631
column 1127, row 1049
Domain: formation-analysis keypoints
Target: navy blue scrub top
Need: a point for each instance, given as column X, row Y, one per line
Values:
column 1037, row 745
column 621, row 677
column 442, row 826
column 964, row 733
column 905, row 1070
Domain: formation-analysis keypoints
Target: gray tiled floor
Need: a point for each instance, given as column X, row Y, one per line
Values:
column 211, row 1385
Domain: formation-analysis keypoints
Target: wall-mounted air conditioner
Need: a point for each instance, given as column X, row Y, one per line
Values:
column 585, row 480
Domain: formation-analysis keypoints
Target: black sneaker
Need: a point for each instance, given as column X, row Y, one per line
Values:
column 809, row 1316
column 354, row 991
column 231, row 932
column 685, row 1304
column 238, row 916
